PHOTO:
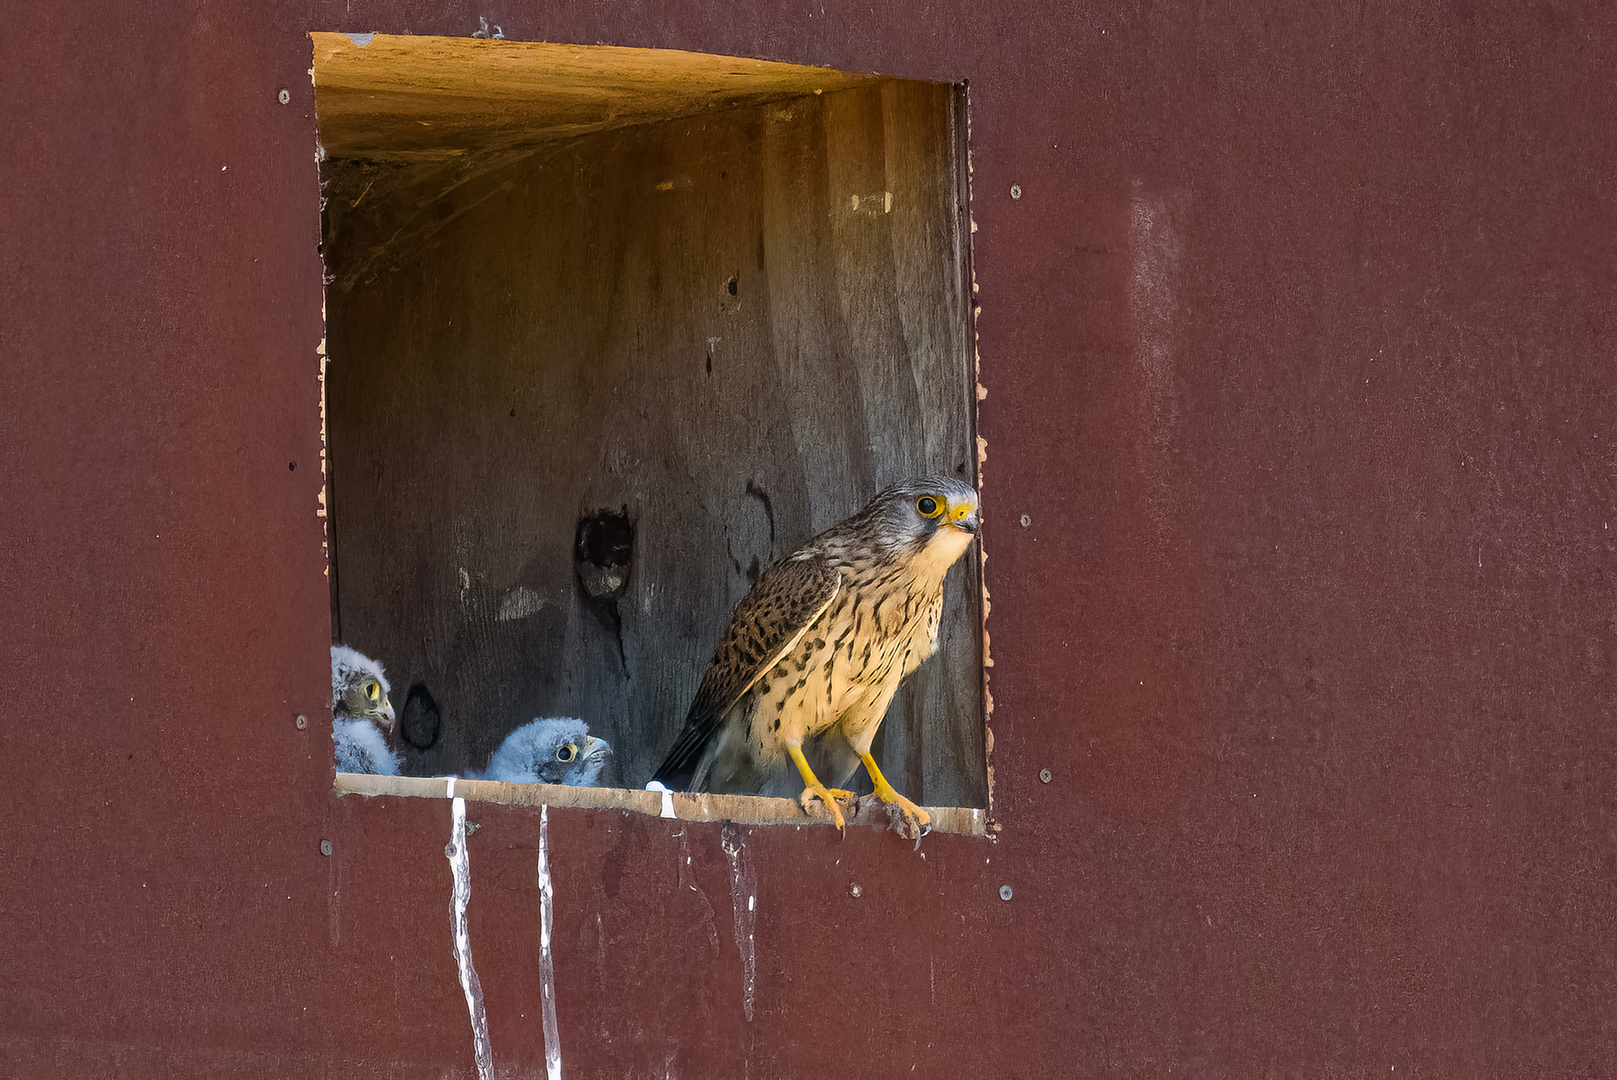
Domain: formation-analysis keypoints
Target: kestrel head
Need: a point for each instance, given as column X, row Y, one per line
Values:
column 935, row 517
column 551, row 750
column 359, row 689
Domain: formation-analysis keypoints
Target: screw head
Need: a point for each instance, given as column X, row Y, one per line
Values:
column 857, row 892
column 302, row 722
column 325, row 847
column 1044, row 775
column 1026, row 521
column 1004, row 892
column 284, row 97
column 1016, row 191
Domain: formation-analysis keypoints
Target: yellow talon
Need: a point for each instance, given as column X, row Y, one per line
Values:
column 916, row 817
column 813, row 789
column 827, row 796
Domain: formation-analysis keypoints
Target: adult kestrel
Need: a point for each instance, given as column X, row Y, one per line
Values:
column 822, row 641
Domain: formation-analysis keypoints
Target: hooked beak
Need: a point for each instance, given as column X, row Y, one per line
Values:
column 392, row 721
column 970, row 523
column 593, row 746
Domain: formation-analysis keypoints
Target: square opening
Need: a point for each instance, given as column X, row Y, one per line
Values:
column 609, row 331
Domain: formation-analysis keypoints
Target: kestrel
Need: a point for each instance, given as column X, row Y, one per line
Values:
column 362, row 715
column 822, row 641
column 554, row 750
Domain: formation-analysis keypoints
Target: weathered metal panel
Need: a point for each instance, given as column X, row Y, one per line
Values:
column 1298, row 345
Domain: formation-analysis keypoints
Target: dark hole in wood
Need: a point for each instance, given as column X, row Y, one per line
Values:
column 733, row 286
column 291, row 466
column 602, row 549
column 421, row 722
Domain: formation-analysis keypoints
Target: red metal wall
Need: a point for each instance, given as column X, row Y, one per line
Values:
column 1299, row 350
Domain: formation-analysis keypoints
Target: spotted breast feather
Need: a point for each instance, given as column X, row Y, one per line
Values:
column 787, row 599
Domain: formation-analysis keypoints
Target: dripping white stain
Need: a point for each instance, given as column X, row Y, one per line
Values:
column 668, row 799
column 744, row 904
column 460, row 867
column 547, row 967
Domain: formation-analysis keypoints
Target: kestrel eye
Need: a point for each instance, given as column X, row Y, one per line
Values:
column 567, row 753
column 928, row 507
column 373, row 691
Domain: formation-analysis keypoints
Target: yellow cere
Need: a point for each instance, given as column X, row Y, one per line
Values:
column 959, row 510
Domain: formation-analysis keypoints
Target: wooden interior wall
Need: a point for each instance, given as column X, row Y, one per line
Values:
column 1298, row 345
column 738, row 327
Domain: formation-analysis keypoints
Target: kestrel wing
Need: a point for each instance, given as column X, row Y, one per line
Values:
column 787, row 599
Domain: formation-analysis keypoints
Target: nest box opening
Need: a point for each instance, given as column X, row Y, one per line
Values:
column 610, row 330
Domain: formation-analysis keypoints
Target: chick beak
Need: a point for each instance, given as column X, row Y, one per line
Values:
column 392, row 721
column 970, row 523
column 593, row 746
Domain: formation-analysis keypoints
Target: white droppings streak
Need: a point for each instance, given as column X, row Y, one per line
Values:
column 547, row 967
column 668, row 799
column 461, row 868
column 742, row 885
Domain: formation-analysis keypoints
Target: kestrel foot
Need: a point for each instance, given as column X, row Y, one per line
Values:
column 828, row 797
column 907, row 819
column 916, row 818
column 813, row 789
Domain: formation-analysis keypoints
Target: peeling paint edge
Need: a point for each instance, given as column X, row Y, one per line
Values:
column 988, row 825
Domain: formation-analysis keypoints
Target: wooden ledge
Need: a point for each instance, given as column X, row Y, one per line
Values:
column 741, row 809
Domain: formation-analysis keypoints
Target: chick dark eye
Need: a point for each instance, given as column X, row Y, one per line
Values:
column 928, row 507
column 567, row 753
column 373, row 691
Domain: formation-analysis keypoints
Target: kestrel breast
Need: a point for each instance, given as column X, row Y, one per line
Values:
column 845, row 667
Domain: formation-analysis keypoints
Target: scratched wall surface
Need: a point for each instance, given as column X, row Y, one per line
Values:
column 1298, row 345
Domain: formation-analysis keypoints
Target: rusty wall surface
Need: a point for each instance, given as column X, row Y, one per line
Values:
column 1298, row 344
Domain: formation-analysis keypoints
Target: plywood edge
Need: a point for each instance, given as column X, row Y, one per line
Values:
column 741, row 809
column 403, row 99
column 473, row 66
